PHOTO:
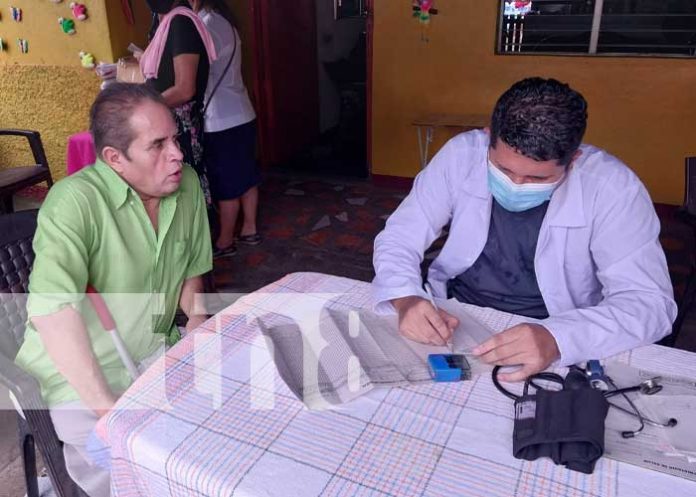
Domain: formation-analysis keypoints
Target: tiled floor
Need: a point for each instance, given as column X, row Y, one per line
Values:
column 328, row 226
column 325, row 226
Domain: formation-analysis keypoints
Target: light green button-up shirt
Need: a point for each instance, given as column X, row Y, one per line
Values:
column 93, row 230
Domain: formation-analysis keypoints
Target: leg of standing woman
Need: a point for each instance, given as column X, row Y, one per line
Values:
column 229, row 210
column 250, row 202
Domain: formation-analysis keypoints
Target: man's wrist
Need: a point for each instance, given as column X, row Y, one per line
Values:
column 195, row 321
column 104, row 403
column 553, row 348
column 402, row 302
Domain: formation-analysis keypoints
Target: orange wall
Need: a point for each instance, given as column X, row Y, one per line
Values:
column 641, row 109
column 121, row 33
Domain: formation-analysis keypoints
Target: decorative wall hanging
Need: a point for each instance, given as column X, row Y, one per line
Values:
column 423, row 10
column 67, row 25
column 518, row 7
column 16, row 14
column 2, row 45
column 79, row 11
column 87, row 60
column 23, row 45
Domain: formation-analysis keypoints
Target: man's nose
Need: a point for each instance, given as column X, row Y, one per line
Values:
column 175, row 152
column 518, row 180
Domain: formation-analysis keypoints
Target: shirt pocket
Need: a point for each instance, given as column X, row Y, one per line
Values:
column 180, row 249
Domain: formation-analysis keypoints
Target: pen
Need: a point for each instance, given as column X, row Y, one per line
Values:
column 429, row 292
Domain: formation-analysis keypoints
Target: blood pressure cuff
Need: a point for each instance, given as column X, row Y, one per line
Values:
column 565, row 425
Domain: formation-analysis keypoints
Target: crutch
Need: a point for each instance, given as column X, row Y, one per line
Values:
column 108, row 323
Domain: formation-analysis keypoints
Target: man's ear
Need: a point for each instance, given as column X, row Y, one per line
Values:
column 577, row 154
column 114, row 158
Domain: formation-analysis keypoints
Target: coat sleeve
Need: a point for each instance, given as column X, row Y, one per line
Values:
column 637, row 306
column 399, row 249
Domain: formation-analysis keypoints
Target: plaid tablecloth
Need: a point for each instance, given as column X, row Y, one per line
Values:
column 213, row 418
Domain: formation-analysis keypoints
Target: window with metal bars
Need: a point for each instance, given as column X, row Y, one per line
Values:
column 661, row 28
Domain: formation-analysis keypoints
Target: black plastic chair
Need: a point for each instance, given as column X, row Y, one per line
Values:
column 35, row 428
column 13, row 179
column 687, row 214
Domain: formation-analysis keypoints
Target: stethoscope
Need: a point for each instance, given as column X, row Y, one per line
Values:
column 598, row 380
column 650, row 386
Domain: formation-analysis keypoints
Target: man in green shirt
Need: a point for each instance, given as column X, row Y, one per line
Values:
column 134, row 227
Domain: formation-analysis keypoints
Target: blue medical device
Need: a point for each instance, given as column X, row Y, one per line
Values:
column 448, row 367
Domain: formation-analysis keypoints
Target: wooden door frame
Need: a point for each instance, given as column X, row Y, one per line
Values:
column 369, row 29
column 259, row 43
column 260, row 46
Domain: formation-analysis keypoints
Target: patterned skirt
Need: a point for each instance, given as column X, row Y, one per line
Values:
column 189, row 121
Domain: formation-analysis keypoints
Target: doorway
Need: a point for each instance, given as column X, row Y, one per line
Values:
column 312, row 83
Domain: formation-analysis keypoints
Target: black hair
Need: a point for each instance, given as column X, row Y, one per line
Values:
column 161, row 6
column 542, row 119
column 158, row 7
column 109, row 117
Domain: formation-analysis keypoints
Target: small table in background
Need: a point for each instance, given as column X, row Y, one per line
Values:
column 465, row 122
column 80, row 152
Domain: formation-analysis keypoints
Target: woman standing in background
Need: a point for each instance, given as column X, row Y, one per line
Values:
column 230, row 132
column 176, row 63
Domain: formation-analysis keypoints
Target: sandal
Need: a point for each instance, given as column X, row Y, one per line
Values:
column 253, row 239
column 225, row 252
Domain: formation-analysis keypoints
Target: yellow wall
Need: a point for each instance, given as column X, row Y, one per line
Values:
column 48, row 45
column 53, row 100
column 47, row 89
column 641, row 109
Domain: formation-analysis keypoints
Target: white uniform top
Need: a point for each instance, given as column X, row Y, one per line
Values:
column 230, row 106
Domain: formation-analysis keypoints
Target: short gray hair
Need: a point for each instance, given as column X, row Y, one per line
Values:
column 109, row 117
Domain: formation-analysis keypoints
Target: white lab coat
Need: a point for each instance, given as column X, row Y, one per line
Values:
column 599, row 264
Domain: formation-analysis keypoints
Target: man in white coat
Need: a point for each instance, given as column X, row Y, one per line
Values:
column 541, row 226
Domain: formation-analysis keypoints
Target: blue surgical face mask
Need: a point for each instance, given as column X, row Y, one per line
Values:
column 517, row 198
